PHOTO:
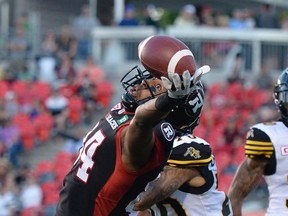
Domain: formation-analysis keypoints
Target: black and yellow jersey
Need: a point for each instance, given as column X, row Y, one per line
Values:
column 269, row 141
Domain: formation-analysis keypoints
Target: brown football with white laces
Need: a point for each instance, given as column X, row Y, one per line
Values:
column 161, row 54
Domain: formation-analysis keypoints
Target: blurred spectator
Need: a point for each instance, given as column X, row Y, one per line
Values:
column 151, row 16
column 57, row 105
column 47, row 58
column 20, row 176
column 264, row 80
column 64, row 70
column 284, row 23
column 235, row 62
column 222, row 20
column 88, row 93
column 11, row 104
column 3, row 152
column 205, row 16
column 73, row 140
column 24, row 21
column 8, row 199
column 82, row 28
column 238, row 20
column 69, row 88
column 33, row 109
column 129, row 18
column 266, row 17
column 231, row 133
column 18, row 50
column 249, row 18
column 31, row 194
column 11, row 138
column 66, row 43
column 187, row 17
column 48, row 45
column 90, row 73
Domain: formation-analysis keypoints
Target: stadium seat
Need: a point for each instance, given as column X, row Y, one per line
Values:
column 61, row 170
column 223, row 159
column 27, row 130
column 4, row 87
column 44, row 123
column 225, row 181
column 28, row 135
column 75, row 106
column 63, row 157
column 43, row 167
column 50, row 192
column 104, row 93
column 20, row 119
column 42, row 90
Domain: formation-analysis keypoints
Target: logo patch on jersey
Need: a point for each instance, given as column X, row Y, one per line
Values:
column 121, row 111
column 122, row 120
column 284, row 150
column 192, row 152
column 168, row 131
column 111, row 121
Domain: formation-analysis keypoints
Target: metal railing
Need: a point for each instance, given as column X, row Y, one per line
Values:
column 217, row 47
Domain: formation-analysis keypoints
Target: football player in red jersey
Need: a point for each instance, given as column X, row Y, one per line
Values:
column 126, row 149
column 266, row 151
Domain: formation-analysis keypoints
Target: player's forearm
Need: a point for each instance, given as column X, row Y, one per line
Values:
column 244, row 181
column 157, row 190
column 154, row 110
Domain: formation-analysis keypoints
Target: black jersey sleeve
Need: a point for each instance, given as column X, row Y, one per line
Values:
column 190, row 153
column 258, row 145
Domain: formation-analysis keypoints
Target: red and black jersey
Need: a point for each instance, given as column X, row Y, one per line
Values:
column 98, row 183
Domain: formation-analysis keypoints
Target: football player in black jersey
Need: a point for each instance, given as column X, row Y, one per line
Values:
column 126, row 149
column 266, row 151
column 188, row 184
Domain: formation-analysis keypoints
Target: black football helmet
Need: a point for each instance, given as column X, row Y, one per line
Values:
column 186, row 115
column 281, row 94
column 134, row 77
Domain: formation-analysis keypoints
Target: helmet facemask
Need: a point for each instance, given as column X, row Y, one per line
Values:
column 281, row 98
column 281, row 94
column 132, row 78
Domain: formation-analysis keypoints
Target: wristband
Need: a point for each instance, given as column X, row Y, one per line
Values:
column 164, row 103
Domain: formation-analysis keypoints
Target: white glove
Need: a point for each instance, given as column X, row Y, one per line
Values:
column 199, row 73
column 176, row 87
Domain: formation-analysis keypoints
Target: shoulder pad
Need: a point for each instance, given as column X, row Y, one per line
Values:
column 190, row 151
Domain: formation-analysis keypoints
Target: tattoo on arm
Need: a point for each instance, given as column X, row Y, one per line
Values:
column 161, row 188
column 245, row 179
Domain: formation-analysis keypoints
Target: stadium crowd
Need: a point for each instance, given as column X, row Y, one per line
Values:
column 59, row 94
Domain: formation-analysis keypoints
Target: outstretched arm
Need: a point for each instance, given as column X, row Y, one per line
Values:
column 246, row 178
column 138, row 138
column 162, row 187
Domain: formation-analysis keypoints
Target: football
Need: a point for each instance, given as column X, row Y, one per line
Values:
column 162, row 54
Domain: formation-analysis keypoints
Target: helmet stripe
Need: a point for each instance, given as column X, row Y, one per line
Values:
column 176, row 58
